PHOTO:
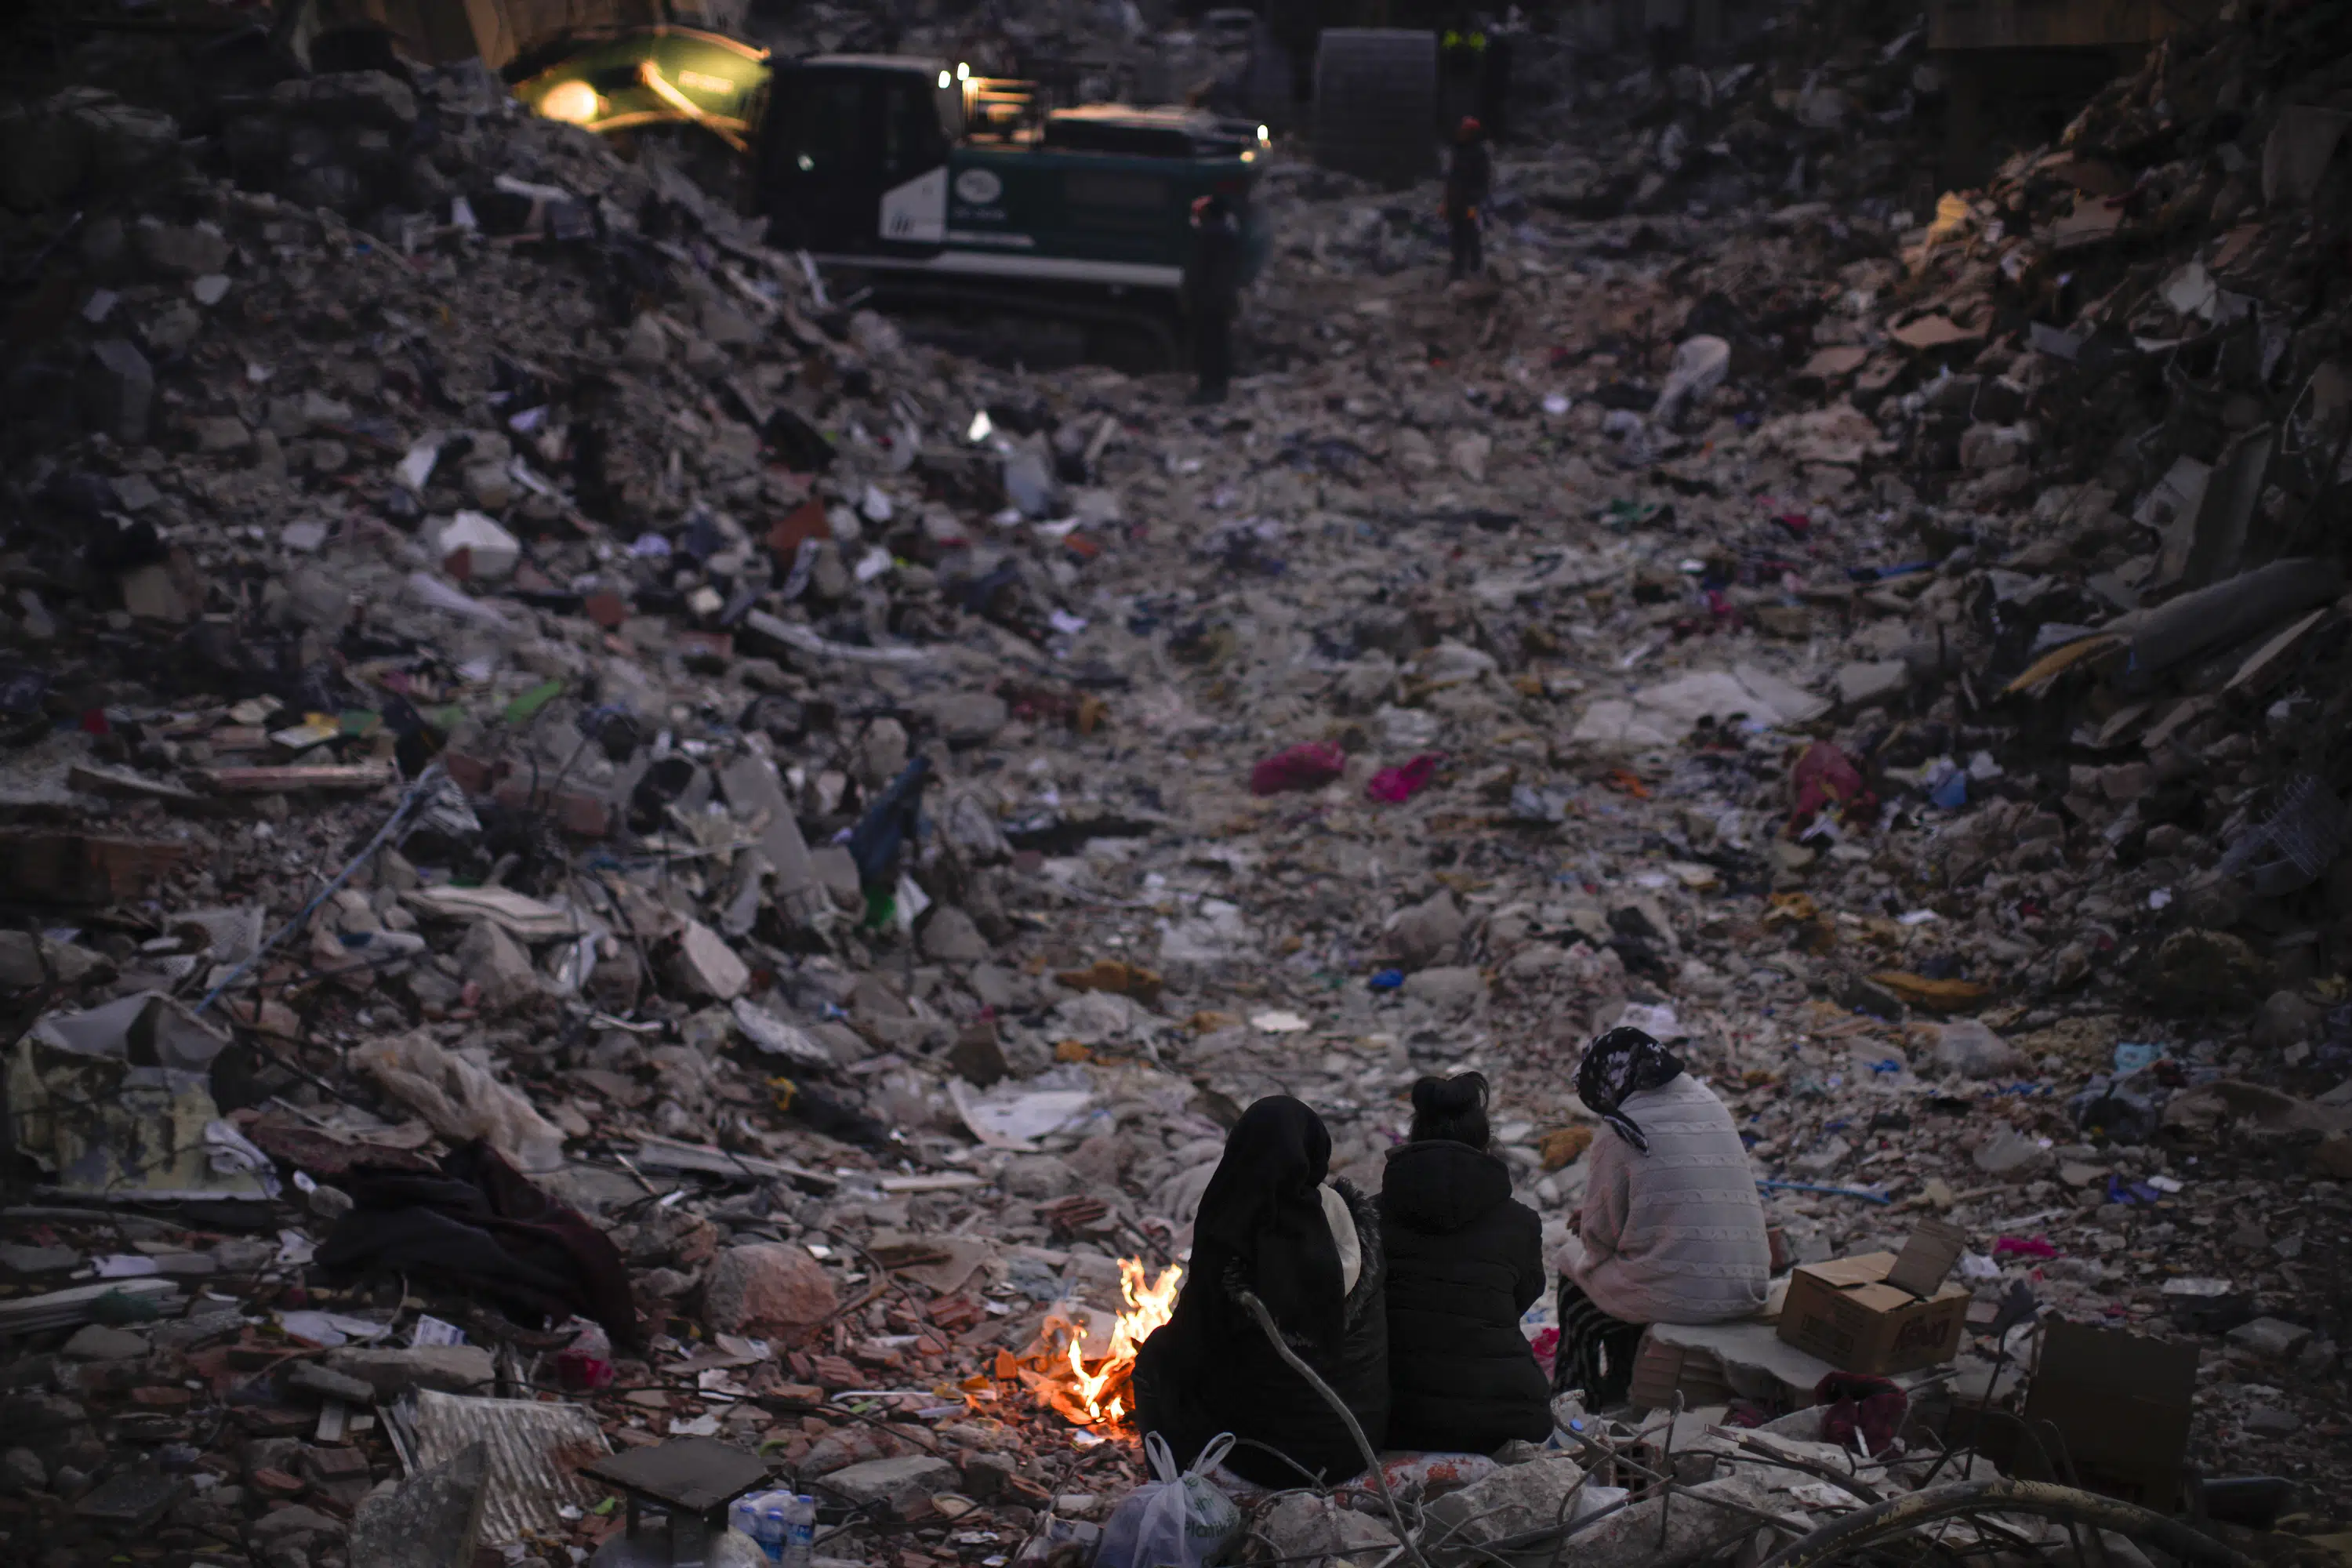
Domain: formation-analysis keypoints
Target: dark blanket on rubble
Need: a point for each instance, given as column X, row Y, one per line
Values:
column 479, row 1224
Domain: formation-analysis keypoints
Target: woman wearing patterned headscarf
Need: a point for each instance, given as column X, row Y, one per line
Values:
column 1671, row 1229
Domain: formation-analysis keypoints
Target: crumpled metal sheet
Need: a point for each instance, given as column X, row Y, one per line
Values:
column 2295, row 847
column 535, row 1452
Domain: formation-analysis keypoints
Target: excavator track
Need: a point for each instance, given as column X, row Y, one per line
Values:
column 1130, row 335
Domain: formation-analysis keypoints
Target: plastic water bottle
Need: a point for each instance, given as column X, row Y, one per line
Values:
column 733, row 1548
column 779, row 1523
column 773, row 1525
column 796, row 1535
column 743, row 1519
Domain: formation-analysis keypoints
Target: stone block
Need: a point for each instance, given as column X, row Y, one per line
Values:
column 2270, row 1339
column 768, row 1287
column 117, row 391
column 903, row 1485
column 391, row 1372
column 431, row 1520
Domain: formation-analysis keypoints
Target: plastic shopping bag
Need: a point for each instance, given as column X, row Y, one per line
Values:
column 1173, row 1521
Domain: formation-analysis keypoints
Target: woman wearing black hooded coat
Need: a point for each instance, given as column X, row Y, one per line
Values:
column 1312, row 1254
column 1465, row 1261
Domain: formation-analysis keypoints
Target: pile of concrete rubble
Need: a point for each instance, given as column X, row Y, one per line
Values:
column 606, row 852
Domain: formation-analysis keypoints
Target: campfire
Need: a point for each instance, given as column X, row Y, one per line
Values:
column 1088, row 1385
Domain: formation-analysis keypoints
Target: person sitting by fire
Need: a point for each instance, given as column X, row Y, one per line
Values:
column 1672, row 1230
column 1465, row 1261
column 1311, row 1252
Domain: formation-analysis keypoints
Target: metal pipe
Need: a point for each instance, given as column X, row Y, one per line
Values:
column 2065, row 1504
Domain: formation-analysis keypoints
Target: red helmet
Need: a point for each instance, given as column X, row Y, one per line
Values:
column 1470, row 128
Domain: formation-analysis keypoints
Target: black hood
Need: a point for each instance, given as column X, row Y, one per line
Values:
column 1442, row 1186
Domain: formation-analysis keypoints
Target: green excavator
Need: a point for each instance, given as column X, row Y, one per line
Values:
column 929, row 187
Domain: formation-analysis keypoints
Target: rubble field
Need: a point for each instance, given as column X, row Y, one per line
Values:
column 603, row 849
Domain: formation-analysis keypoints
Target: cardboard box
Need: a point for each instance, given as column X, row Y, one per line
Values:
column 1845, row 1313
column 1713, row 1364
column 2119, row 1405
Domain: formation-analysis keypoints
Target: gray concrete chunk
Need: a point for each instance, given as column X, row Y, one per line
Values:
column 452, row 1369
column 2272, row 1339
column 1514, row 1500
column 432, row 1521
column 96, row 1342
column 117, row 390
column 309, row 1377
column 904, row 1484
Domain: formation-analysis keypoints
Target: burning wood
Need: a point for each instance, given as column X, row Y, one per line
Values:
column 1089, row 1385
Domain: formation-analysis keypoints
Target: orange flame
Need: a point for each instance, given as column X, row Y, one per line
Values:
column 1149, row 1305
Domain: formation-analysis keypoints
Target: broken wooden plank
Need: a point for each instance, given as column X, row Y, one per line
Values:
column 294, row 777
column 1935, row 331
column 659, row 1153
column 2059, row 660
column 1835, row 360
column 71, row 1307
column 2094, row 220
column 97, row 778
column 2187, row 711
column 520, row 915
column 2118, row 722
column 56, row 867
column 2259, row 664
column 1936, row 996
column 941, row 1182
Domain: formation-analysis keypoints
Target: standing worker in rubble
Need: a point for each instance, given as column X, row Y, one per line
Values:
column 1212, row 287
column 1469, row 176
column 1310, row 1253
column 1672, row 1230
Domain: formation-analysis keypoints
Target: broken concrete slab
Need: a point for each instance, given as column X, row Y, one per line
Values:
column 393, row 1371
column 117, row 388
column 1665, row 714
column 1514, row 1500
column 430, row 1521
column 706, row 966
column 2270, row 1339
column 499, row 964
column 902, row 1486
column 96, row 1342
column 950, row 936
column 1862, row 682
column 2010, row 1155
column 322, row 1381
column 756, row 795
column 1427, row 933
column 1320, row 1532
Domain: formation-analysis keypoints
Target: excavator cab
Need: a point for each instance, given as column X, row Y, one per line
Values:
column 853, row 156
column 932, row 188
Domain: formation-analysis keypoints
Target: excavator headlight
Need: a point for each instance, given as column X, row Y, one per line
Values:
column 1264, row 137
column 945, row 79
column 573, row 101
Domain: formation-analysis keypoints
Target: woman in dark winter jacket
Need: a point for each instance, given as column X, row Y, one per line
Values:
column 1312, row 1254
column 1465, row 1261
